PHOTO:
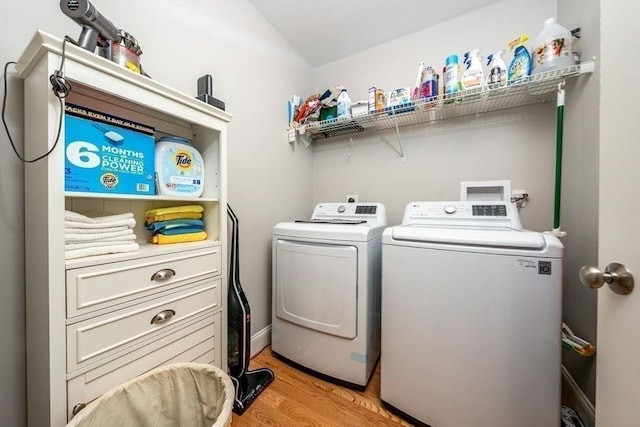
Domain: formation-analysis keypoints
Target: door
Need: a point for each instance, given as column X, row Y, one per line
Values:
column 618, row 363
column 316, row 286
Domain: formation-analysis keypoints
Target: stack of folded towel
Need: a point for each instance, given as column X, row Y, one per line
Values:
column 176, row 224
column 98, row 235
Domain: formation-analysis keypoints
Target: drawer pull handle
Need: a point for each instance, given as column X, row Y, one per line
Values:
column 162, row 317
column 77, row 408
column 164, row 274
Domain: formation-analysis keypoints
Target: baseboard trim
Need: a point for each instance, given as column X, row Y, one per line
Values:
column 577, row 399
column 260, row 340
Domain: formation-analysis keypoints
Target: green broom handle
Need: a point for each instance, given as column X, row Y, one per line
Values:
column 559, row 129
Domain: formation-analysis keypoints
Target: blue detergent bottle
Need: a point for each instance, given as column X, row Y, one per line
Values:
column 520, row 66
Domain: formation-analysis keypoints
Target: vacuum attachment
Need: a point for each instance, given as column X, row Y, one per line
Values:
column 249, row 386
column 205, row 92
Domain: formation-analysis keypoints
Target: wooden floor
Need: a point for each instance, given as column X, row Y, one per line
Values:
column 295, row 398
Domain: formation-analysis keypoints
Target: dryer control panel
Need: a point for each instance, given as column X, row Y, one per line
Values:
column 463, row 213
column 370, row 213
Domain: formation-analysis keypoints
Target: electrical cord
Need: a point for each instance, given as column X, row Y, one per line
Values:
column 59, row 85
column 61, row 89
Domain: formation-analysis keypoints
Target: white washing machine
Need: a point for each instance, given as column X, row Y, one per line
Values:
column 471, row 317
column 326, row 290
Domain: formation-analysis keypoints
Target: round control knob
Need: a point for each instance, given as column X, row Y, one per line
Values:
column 341, row 209
column 449, row 209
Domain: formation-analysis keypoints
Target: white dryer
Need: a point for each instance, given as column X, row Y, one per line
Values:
column 471, row 317
column 326, row 290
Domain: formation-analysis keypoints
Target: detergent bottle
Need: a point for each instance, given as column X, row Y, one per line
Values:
column 344, row 104
column 472, row 76
column 551, row 48
column 179, row 168
column 497, row 75
column 520, row 66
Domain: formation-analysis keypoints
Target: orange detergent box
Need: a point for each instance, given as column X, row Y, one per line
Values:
column 107, row 154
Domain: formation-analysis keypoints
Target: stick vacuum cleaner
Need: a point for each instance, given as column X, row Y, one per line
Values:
column 248, row 384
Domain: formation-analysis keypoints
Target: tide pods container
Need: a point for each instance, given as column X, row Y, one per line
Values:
column 179, row 168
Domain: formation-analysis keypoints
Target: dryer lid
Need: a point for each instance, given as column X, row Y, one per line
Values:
column 327, row 231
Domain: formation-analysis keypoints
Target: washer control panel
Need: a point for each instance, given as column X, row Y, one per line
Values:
column 466, row 213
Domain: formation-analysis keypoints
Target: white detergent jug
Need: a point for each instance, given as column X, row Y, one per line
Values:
column 179, row 168
column 551, row 49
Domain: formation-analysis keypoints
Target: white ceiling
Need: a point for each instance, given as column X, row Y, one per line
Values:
column 324, row 31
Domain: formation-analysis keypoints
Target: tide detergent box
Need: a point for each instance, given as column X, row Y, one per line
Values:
column 107, row 154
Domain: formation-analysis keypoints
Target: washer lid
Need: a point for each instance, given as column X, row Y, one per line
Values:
column 494, row 237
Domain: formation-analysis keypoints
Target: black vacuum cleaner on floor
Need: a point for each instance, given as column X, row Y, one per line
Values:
column 248, row 384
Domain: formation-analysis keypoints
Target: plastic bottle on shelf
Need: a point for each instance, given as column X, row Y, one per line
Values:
column 451, row 76
column 416, row 95
column 551, row 48
column 429, row 86
column 344, row 104
column 497, row 75
column 472, row 76
column 520, row 66
column 179, row 168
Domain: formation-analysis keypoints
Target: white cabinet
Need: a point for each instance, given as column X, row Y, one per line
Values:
column 95, row 322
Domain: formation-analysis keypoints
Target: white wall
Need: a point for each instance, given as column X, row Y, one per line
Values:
column 255, row 72
column 518, row 146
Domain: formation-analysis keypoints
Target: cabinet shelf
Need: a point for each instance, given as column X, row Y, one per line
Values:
column 536, row 89
column 183, row 200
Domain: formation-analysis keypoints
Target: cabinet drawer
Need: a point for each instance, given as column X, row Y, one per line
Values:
column 199, row 342
column 99, row 287
column 101, row 336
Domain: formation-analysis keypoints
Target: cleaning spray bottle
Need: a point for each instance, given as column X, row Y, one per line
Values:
column 418, row 87
column 472, row 76
column 497, row 76
column 520, row 66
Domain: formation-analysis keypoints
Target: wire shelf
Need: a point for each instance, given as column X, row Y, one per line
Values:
column 534, row 89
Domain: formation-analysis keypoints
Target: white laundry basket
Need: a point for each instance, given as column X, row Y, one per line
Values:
column 180, row 394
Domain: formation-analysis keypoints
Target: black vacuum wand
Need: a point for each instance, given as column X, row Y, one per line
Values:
column 248, row 384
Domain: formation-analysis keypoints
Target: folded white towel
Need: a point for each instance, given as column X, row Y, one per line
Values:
column 102, row 250
column 124, row 222
column 100, row 243
column 80, row 230
column 95, row 217
column 90, row 237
